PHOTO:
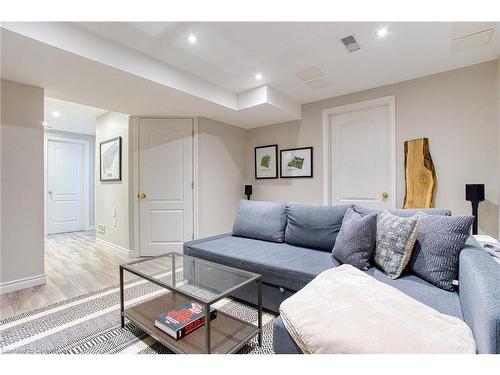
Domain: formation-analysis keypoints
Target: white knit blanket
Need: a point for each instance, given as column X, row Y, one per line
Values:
column 344, row 310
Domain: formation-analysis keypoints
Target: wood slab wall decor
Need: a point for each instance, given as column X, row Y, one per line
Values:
column 420, row 176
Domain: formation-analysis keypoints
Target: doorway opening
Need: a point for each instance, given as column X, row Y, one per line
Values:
column 69, row 166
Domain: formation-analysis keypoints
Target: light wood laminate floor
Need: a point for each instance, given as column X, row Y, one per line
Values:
column 75, row 264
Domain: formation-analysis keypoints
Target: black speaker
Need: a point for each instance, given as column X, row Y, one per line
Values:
column 474, row 193
column 248, row 191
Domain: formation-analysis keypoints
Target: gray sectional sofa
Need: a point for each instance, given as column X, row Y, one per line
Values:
column 290, row 244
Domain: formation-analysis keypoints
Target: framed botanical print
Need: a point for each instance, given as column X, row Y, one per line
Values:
column 266, row 162
column 296, row 162
column 111, row 160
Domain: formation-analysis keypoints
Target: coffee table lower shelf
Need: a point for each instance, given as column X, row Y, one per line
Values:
column 228, row 334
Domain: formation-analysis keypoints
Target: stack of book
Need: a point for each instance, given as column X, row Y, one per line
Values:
column 183, row 319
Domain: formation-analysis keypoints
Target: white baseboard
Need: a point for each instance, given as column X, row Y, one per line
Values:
column 122, row 249
column 27, row 282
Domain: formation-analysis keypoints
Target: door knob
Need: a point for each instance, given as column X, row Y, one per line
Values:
column 385, row 195
column 50, row 192
column 141, row 195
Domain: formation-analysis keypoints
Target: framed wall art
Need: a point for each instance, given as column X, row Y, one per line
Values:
column 111, row 160
column 296, row 162
column 266, row 162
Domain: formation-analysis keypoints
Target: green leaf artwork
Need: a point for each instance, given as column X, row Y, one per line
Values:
column 296, row 162
column 265, row 161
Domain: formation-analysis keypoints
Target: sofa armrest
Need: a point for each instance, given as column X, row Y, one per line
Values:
column 479, row 290
column 187, row 245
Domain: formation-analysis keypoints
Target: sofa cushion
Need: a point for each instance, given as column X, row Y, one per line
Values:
column 479, row 288
column 261, row 220
column 356, row 240
column 439, row 299
column 395, row 239
column 283, row 265
column 402, row 212
column 315, row 227
column 439, row 241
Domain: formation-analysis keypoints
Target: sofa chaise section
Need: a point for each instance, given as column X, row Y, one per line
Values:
column 477, row 300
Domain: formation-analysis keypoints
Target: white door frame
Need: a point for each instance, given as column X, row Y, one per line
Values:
column 327, row 141
column 85, row 180
column 134, row 131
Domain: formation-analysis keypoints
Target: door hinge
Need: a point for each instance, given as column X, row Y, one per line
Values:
column 192, row 185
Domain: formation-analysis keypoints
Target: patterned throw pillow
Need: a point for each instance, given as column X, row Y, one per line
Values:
column 356, row 240
column 439, row 242
column 395, row 240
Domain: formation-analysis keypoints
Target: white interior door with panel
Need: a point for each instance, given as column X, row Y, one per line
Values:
column 165, row 185
column 65, row 186
column 361, row 154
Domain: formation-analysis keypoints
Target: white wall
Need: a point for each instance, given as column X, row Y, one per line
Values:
column 221, row 175
column 22, row 252
column 456, row 110
column 113, row 194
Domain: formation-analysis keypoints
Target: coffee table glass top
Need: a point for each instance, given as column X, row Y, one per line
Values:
column 198, row 279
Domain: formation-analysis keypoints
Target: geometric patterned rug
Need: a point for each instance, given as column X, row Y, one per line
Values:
column 90, row 324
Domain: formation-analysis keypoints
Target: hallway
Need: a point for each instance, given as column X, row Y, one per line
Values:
column 75, row 264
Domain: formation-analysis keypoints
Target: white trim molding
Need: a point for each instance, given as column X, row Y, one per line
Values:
column 116, row 247
column 327, row 146
column 26, row 282
column 196, row 190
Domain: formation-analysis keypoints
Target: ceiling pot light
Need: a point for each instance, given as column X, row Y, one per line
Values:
column 56, row 114
column 192, row 38
column 382, row 31
column 258, row 76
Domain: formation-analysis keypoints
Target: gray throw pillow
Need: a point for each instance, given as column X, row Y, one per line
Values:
column 356, row 240
column 261, row 220
column 439, row 242
column 395, row 239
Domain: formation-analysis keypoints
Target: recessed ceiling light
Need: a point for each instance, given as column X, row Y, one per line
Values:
column 192, row 38
column 56, row 114
column 258, row 76
column 381, row 32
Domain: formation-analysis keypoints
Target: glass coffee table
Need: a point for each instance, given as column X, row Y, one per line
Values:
column 190, row 278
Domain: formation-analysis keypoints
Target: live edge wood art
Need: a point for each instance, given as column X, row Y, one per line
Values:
column 420, row 176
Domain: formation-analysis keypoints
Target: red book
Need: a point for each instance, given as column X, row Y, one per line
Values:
column 183, row 319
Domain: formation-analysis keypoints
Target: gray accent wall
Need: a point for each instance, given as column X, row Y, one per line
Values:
column 22, row 224
column 457, row 110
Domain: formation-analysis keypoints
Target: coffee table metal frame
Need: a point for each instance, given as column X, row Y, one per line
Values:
column 252, row 278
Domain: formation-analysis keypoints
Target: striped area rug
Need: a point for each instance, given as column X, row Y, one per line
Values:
column 90, row 324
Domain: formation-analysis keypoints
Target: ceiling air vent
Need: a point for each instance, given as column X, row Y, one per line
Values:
column 309, row 74
column 350, row 43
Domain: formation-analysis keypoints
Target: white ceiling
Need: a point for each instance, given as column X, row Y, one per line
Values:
column 75, row 118
column 229, row 54
column 150, row 68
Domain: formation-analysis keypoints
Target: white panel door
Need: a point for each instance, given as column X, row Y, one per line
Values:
column 361, row 158
column 165, row 185
column 64, row 186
